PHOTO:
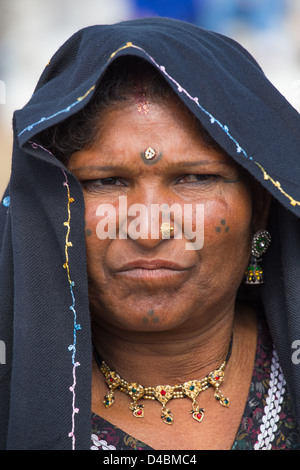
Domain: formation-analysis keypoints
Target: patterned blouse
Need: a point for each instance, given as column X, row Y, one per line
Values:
column 268, row 421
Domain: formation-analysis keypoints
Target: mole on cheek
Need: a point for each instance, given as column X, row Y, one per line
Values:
column 88, row 232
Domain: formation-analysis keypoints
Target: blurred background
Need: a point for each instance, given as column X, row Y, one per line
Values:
column 32, row 30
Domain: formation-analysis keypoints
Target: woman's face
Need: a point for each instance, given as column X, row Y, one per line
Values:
column 152, row 283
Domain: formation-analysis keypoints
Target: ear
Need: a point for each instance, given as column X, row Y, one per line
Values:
column 261, row 206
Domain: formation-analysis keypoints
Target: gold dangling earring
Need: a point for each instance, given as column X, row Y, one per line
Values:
column 260, row 243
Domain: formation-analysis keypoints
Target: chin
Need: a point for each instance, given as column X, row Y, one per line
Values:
column 147, row 314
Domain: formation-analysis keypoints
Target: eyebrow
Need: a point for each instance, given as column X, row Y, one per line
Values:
column 120, row 167
column 202, row 163
column 97, row 168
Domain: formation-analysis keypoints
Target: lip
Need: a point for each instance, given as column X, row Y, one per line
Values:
column 158, row 272
column 152, row 265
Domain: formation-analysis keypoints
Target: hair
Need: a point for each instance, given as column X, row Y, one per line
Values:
column 119, row 86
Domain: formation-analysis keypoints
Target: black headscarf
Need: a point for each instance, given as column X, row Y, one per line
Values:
column 45, row 385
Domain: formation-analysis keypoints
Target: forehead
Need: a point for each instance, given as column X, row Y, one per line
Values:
column 125, row 135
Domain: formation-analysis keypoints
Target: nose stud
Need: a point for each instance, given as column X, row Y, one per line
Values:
column 166, row 230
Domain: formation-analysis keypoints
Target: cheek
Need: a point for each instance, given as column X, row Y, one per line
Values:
column 95, row 245
column 228, row 229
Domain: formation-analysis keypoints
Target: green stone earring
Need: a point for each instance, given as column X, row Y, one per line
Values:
column 260, row 243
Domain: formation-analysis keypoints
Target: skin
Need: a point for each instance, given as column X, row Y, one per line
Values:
column 178, row 320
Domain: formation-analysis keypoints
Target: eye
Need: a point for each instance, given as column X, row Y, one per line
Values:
column 100, row 182
column 198, row 179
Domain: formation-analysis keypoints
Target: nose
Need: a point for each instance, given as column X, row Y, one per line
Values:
column 148, row 224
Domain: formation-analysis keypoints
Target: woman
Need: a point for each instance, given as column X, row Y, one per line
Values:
column 157, row 146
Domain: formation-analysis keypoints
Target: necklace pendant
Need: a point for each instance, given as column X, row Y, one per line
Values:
column 216, row 378
column 109, row 399
column 224, row 401
column 164, row 393
column 137, row 410
column 113, row 379
column 192, row 389
column 198, row 415
column 135, row 391
column 167, row 416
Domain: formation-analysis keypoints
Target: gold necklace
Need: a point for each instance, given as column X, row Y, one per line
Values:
column 164, row 393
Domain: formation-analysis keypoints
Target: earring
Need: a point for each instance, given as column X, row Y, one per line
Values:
column 260, row 243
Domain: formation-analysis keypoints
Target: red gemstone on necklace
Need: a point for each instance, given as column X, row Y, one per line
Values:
column 163, row 392
column 139, row 412
column 217, row 377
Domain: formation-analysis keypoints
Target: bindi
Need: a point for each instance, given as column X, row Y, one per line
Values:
column 150, row 156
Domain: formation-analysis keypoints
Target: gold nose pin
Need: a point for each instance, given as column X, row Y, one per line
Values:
column 166, row 230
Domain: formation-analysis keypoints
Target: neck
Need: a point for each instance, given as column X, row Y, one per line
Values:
column 154, row 358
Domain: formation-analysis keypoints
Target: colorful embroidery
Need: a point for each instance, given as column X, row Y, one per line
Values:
column 34, row 145
column 278, row 186
column 76, row 327
column 212, row 119
column 6, row 201
column 65, row 110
